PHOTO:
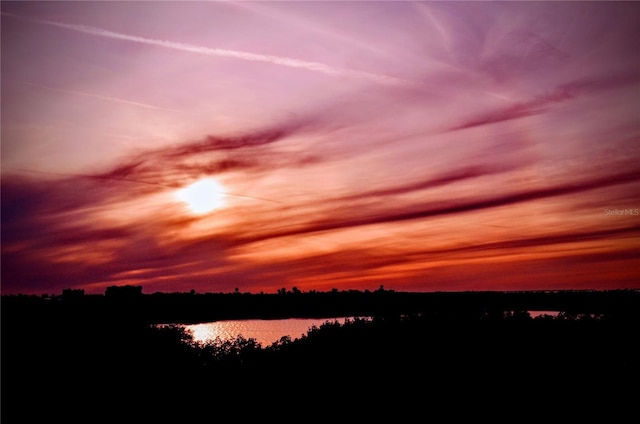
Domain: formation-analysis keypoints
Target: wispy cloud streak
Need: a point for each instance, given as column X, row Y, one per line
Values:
column 542, row 103
column 165, row 164
column 468, row 205
column 547, row 240
column 453, row 176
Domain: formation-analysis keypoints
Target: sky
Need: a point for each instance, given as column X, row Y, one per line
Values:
column 418, row 146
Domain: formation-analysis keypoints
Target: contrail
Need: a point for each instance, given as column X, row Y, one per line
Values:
column 236, row 54
column 98, row 96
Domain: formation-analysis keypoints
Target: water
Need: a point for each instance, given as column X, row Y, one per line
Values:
column 267, row 332
column 264, row 331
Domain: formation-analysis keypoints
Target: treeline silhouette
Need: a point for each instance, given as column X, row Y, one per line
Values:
column 80, row 357
column 128, row 303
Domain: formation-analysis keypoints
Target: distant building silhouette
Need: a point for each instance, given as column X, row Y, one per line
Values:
column 70, row 294
column 123, row 292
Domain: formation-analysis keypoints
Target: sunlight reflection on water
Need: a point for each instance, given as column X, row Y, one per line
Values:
column 535, row 314
column 264, row 331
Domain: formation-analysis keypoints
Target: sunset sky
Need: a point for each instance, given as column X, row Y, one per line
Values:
column 423, row 146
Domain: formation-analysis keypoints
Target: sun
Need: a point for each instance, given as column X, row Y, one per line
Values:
column 202, row 196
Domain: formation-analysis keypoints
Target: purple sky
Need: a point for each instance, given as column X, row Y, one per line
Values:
column 418, row 145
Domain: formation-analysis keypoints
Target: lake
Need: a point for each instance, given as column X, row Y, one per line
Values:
column 265, row 331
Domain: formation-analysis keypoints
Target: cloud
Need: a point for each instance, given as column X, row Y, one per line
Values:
column 449, row 177
column 540, row 104
column 256, row 138
column 175, row 165
column 547, row 240
column 454, row 207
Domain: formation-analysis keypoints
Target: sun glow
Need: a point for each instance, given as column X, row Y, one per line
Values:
column 202, row 196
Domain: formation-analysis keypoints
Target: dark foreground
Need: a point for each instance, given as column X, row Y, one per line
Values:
column 482, row 356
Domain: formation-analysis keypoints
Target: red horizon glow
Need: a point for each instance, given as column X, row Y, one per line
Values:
column 423, row 146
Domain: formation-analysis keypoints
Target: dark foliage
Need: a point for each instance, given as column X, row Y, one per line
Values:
column 62, row 360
